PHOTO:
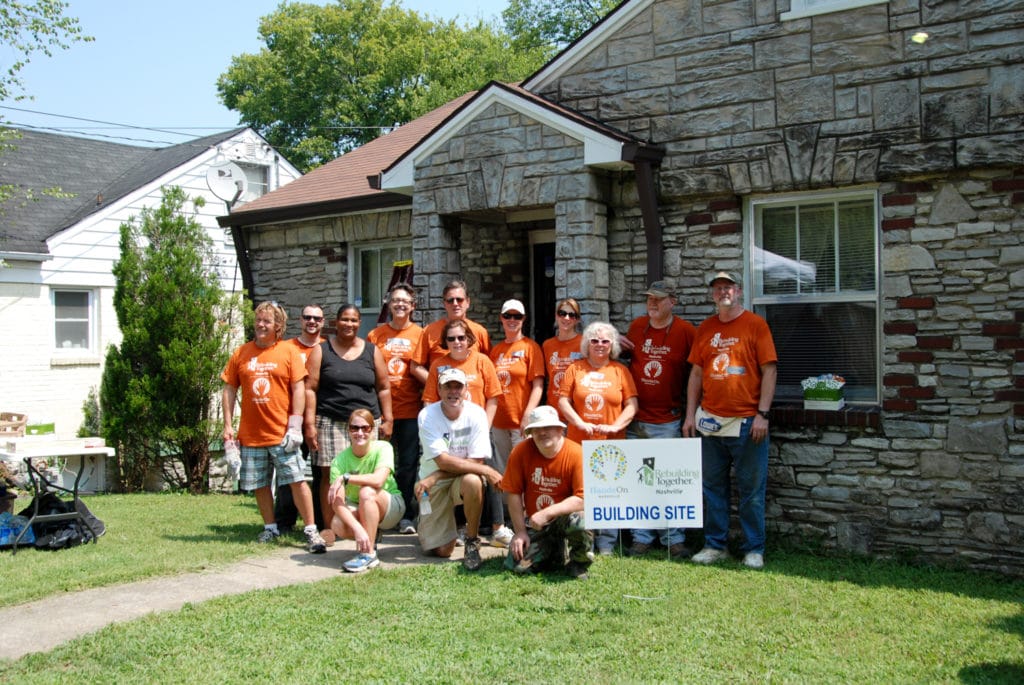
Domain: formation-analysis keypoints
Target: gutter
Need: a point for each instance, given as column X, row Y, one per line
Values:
column 644, row 159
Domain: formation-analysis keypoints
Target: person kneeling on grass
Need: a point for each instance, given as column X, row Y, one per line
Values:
column 543, row 487
column 363, row 495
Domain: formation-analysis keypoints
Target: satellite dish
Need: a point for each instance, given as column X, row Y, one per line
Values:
column 227, row 181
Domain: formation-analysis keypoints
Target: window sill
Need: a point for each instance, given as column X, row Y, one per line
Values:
column 805, row 8
column 81, row 360
column 794, row 415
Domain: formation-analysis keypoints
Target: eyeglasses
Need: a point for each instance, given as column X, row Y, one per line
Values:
column 571, row 315
column 359, row 429
column 456, row 338
column 310, row 317
column 599, row 341
column 517, row 317
column 455, row 300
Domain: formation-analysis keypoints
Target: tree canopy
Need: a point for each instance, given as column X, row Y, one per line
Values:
column 331, row 78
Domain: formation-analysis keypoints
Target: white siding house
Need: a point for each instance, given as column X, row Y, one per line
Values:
column 56, row 284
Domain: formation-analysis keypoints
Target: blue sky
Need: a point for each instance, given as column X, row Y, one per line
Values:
column 155, row 64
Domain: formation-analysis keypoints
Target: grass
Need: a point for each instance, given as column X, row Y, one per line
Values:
column 805, row 618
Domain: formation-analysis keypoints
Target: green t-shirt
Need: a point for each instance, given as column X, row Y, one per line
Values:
column 381, row 454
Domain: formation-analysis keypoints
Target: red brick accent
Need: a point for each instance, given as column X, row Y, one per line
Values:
column 1001, row 185
column 1018, row 410
column 1018, row 316
column 896, row 224
column 326, row 252
column 895, row 380
column 1009, row 396
column 334, row 259
column 900, row 328
column 917, row 393
column 935, row 342
column 895, row 200
column 1018, row 382
column 1017, row 199
column 719, row 205
column 853, row 416
column 899, row 405
column 726, row 228
column 1018, row 356
column 915, row 357
column 1001, row 329
column 916, row 302
column 694, row 219
column 914, row 187
column 1014, row 343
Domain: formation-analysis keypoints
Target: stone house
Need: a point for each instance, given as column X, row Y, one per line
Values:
column 859, row 162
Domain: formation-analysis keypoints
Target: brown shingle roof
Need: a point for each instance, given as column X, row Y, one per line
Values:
column 341, row 184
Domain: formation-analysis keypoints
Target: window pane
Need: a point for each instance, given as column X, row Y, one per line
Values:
column 71, row 317
column 817, row 246
column 778, row 253
column 369, row 278
column 821, row 337
column 857, row 238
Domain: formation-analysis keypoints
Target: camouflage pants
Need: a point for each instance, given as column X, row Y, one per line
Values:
column 563, row 540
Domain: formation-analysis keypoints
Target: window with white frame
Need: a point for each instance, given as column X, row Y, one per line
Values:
column 374, row 264
column 815, row 279
column 809, row 8
column 72, row 316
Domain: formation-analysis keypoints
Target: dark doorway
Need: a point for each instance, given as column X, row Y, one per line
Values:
column 542, row 307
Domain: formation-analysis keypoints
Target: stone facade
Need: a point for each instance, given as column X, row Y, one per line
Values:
column 748, row 105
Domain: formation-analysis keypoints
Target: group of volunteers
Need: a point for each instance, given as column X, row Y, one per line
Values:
column 437, row 431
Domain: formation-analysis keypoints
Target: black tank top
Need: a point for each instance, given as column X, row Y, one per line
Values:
column 346, row 385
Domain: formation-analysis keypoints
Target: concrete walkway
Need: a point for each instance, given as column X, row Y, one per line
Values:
column 31, row 627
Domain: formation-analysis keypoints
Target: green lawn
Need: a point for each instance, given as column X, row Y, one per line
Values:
column 803, row 619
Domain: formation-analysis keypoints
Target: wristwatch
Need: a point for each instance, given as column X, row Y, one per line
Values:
column 344, row 479
column 763, row 413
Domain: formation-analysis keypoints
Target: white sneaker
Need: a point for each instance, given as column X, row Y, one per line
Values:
column 753, row 560
column 502, row 537
column 406, row 527
column 709, row 555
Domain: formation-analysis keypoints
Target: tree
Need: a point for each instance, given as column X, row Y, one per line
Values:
column 158, row 385
column 332, row 78
column 550, row 25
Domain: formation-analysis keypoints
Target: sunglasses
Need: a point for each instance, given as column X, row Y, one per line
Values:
column 310, row 317
column 456, row 338
column 599, row 341
column 455, row 300
column 517, row 317
column 571, row 315
column 360, row 429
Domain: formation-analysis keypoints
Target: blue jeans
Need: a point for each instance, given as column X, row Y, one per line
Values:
column 405, row 439
column 639, row 430
column 750, row 460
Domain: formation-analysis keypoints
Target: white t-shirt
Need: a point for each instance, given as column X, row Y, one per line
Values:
column 468, row 436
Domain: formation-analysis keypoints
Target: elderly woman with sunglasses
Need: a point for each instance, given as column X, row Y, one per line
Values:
column 563, row 348
column 482, row 381
column 598, row 398
column 364, row 496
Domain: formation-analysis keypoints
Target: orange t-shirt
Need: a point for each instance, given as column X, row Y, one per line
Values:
column 264, row 377
column 543, row 481
column 659, row 367
column 432, row 339
column 483, row 381
column 731, row 356
column 558, row 354
column 399, row 348
column 517, row 364
column 303, row 350
column 597, row 395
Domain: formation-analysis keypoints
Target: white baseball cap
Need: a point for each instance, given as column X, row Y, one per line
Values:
column 513, row 306
column 452, row 375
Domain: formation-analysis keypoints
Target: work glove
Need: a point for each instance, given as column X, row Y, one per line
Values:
column 293, row 436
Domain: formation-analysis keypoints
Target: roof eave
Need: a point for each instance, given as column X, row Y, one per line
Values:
column 348, row 205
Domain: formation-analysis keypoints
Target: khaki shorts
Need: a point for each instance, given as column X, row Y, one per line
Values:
column 438, row 529
column 391, row 518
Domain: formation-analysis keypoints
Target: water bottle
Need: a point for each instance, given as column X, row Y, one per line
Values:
column 425, row 504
